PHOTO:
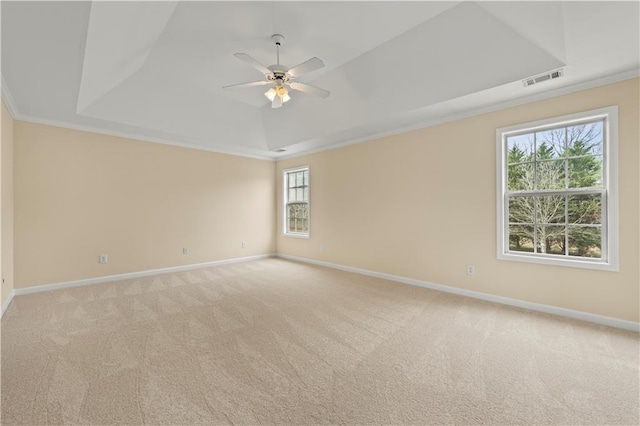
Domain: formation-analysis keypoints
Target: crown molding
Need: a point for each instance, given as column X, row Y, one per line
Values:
column 7, row 98
column 127, row 135
column 421, row 124
column 11, row 106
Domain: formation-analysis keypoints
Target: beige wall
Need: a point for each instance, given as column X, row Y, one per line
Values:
column 6, row 168
column 419, row 206
column 80, row 194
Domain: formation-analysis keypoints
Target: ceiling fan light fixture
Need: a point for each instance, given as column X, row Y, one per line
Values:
column 283, row 93
column 281, row 77
column 280, row 92
column 270, row 94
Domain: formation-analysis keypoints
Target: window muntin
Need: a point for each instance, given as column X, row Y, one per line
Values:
column 555, row 198
column 296, row 194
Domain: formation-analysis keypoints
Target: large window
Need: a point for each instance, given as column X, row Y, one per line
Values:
column 557, row 191
column 296, row 202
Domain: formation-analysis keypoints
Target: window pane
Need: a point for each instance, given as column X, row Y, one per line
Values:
column 292, row 179
column 550, row 144
column 299, row 179
column 521, row 238
column 299, row 194
column 306, row 177
column 519, row 148
column 550, row 209
column 520, row 177
column 551, row 239
column 585, row 139
column 585, row 241
column 556, row 190
column 585, row 209
column 521, row 209
column 292, row 195
column 306, row 193
column 550, row 174
column 298, row 217
column 585, row 172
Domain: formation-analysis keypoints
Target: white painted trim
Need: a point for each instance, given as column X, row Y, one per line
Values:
column 538, row 307
column 590, row 84
column 7, row 302
column 127, row 135
column 554, row 310
column 614, row 78
column 299, row 236
column 11, row 106
column 8, row 98
column 130, row 275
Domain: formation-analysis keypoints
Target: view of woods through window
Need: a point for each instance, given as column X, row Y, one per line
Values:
column 297, row 201
column 556, row 193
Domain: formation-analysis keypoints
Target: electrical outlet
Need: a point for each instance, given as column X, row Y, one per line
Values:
column 103, row 258
column 185, row 250
column 244, row 244
column 471, row 270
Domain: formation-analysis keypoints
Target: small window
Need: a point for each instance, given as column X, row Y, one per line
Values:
column 557, row 191
column 296, row 202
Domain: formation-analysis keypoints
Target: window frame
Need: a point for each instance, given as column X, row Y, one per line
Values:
column 285, row 198
column 610, row 217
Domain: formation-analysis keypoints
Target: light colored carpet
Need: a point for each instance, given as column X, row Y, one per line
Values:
column 274, row 341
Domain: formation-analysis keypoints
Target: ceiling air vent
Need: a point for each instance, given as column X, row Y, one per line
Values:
column 542, row 77
column 280, row 150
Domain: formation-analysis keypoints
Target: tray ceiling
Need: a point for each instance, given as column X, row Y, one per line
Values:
column 154, row 70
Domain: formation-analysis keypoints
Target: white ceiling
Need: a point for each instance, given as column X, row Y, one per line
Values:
column 155, row 70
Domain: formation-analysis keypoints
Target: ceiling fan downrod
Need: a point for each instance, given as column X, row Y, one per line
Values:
column 277, row 39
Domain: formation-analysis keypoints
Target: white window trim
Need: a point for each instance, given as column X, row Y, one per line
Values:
column 285, row 197
column 610, row 164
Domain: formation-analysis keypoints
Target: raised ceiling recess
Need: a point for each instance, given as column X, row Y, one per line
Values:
column 157, row 70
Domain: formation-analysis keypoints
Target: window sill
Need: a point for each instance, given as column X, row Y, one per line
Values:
column 302, row 236
column 572, row 263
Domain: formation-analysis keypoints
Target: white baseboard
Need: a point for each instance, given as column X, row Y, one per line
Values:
column 108, row 278
column 569, row 313
column 7, row 302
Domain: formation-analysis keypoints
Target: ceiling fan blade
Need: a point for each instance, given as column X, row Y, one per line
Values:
column 257, row 65
column 249, row 84
column 310, row 89
column 306, row 67
column 277, row 102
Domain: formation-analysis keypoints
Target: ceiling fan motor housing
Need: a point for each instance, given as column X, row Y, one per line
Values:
column 278, row 73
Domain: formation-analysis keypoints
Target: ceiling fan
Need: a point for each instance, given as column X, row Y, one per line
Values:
column 281, row 77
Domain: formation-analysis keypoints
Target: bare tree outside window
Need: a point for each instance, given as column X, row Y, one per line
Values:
column 555, row 190
column 297, row 201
